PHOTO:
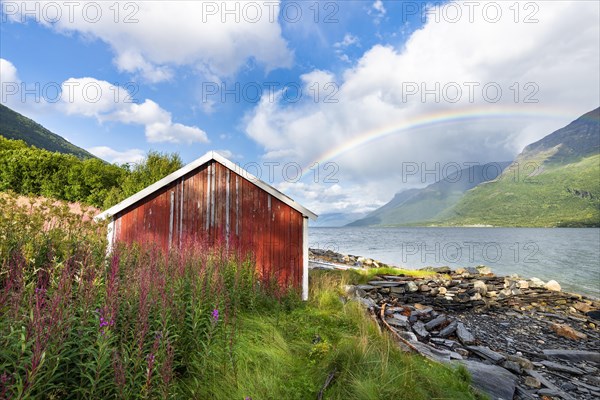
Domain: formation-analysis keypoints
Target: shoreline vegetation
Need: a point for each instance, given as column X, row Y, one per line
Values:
column 196, row 323
column 519, row 338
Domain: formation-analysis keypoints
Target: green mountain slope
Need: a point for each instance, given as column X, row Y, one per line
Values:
column 554, row 182
column 16, row 126
column 416, row 206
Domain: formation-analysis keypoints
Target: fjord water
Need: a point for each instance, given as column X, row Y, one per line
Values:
column 571, row 256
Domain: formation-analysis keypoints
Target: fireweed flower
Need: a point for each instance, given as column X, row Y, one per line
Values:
column 215, row 315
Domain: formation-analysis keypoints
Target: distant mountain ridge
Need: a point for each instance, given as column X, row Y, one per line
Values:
column 419, row 205
column 16, row 126
column 555, row 181
column 577, row 140
column 562, row 188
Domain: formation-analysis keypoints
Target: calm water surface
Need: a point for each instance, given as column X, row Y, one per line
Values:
column 570, row 256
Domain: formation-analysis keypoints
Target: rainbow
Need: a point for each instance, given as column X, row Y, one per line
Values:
column 442, row 118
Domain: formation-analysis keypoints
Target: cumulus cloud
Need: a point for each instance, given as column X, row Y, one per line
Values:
column 437, row 97
column 8, row 72
column 151, row 38
column 115, row 156
column 100, row 99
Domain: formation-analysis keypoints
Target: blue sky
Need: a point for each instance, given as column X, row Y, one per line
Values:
column 372, row 64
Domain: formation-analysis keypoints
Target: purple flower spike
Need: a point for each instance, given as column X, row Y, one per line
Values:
column 215, row 315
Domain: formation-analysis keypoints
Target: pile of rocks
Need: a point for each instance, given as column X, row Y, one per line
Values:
column 329, row 256
column 520, row 339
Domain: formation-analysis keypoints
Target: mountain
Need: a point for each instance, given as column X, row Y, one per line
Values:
column 418, row 206
column 333, row 220
column 16, row 126
column 553, row 182
column 575, row 141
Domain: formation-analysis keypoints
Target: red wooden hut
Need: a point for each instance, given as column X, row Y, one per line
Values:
column 215, row 200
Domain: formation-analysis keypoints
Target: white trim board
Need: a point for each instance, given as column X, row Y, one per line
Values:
column 210, row 156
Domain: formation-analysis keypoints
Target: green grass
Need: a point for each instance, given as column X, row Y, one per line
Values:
column 277, row 356
column 538, row 201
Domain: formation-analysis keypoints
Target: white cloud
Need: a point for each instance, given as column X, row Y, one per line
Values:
column 378, row 6
column 153, row 37
column 8, row 72
column 9, row 83
column 229, row 154
column 100, row 99
column 374, row 97
column 348, row 40
column 115, row 156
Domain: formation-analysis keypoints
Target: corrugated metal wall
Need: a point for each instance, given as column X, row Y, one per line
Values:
column 216, row 204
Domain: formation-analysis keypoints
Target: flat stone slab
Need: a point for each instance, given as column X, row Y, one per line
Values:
column 562, row 368
column 434, row 323
column 449, row 330
column 385, row 283
column 366, row 287
column 487, row 353
column 497, row 382
column 464, row 335
column 573, row 355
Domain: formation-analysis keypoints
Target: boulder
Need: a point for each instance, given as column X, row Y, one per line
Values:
column 536, row 283
column 553, row 285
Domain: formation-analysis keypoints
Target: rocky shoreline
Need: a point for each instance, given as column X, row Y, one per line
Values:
column 519, row 338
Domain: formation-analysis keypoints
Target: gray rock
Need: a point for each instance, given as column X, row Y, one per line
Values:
column 411, row 286
column 434, row 323
column 419, row 328
column 366, row 287
column 449, row 330
column 464, row 335
column 398, row 323
column 512, row 366
column 408, row 336
column 549, row 385
column 487, row 353
column 369, row 303
column 497, row 382
column 384, row 283
column 562, row 368
column 573, row 355
column 522, row 361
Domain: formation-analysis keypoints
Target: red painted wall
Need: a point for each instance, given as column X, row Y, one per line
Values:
column 215, row 204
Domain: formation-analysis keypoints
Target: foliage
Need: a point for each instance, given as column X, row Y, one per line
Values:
column 194, row 323
column 31, row 171
column 16, row 126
